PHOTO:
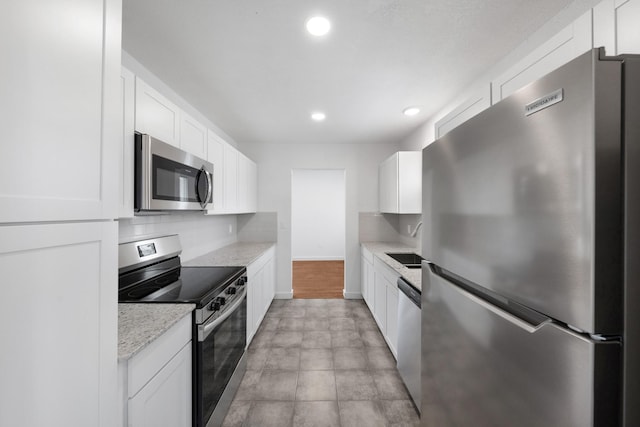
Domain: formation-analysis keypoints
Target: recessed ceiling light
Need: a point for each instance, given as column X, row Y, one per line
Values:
column 318, row 116
column 318, row 26
column 411, row 111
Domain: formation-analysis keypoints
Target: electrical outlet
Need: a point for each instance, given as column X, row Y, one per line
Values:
column 230, row 228
column 408, row 228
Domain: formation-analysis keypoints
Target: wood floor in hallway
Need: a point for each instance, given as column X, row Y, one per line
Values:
column 318, row 279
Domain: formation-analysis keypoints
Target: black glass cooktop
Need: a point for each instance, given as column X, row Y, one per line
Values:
column 168, row 283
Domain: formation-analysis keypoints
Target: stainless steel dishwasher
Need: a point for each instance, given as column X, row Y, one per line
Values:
column 409, row 338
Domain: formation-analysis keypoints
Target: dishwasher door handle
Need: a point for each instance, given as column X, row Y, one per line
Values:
column 412, row 293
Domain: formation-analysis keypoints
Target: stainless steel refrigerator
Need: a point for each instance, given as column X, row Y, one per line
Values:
column 530, row 299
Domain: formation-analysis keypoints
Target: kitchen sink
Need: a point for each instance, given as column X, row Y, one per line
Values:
column 409, row 260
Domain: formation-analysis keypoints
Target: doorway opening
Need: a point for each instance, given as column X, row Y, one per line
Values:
column 318, row 206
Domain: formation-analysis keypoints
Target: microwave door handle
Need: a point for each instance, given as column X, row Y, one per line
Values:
column 204, row 200
column 209, row 187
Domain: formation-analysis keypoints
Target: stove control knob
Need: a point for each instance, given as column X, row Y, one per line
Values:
column 241, row 281
column 231, row 290
column 215, row 306
column 221, row 300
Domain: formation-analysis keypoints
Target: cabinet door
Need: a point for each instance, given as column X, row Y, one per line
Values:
column 230, row 179
column 392, row 318
column 166, row 400
column 156, row 115
column 243, row 184
column 479, row 101
column 215, row 154
column 269, row 284
column 60, row 108
column 193, row 136
column 370, row 286
column 252, row 191
column 388, row 185
column 410, row 182
column 59, row 324
column 250, row 311
column 363, row 279
column 615, row 26
column 127, row 88
column 380, row 302
column 572, row 41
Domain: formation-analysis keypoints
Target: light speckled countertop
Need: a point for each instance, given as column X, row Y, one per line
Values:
column 379, row 249
column 141, row 324
column 236, row 254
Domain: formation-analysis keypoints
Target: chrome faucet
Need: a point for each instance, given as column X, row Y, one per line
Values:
column 415, row 231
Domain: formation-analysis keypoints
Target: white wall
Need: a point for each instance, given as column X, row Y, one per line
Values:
column 317, row 214
column 425, row 133
column 360, row 163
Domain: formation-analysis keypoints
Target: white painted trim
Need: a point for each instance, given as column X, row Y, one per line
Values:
column 318, row 258
column 351, row 295
column 284, row 295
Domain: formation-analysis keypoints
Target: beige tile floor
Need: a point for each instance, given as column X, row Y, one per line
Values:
column 317, row 362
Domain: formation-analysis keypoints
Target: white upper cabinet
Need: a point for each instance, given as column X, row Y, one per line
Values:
column 247, row 184
column 615, row 26
column 193, row 136
column 400, row 183
column 156, row 115
column 235, row 178
column 230, row 180
column 128, row 94
column 60, row 110
column 479, row 101
column 572, row 41
column 215, row 154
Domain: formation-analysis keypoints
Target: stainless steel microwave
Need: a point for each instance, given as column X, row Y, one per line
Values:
column 167, row 178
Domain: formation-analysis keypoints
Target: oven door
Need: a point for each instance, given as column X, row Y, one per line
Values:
column 168, row 178
column 219, row 348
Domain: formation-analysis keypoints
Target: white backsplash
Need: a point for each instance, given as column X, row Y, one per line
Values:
column 198, row 233
column 258, row 227
column 377, row 227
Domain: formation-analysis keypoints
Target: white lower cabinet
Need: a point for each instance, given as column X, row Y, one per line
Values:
column 380, row 291
column 260, row 290
column 156, row 383
column 366, row 277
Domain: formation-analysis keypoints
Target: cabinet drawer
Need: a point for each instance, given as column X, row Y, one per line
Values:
column 144, row 365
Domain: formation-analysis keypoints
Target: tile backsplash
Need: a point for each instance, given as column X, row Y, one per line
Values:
column 378, row 227
column 258, row 227
column 198, row 233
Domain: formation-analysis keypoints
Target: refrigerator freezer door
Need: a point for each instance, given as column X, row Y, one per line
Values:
column 483, row 367
column 527, row 202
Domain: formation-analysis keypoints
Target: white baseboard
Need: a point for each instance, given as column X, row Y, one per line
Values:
column 351, row 295
column 284, row 295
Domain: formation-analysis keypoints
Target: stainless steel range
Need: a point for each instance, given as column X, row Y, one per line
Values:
column 150, row 272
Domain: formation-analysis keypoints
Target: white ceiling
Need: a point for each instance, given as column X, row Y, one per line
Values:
column 251, row 68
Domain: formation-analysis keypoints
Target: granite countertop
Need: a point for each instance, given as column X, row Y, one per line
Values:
column 379, row 249
column 140, row 324
column 236, row 254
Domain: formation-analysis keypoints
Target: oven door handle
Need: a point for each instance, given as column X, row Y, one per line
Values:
column 206, row 329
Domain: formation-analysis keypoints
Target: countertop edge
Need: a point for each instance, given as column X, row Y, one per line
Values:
column 141, row 324
column 379, row 249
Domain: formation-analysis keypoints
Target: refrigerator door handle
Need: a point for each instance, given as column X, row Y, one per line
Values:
column 506, row 315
